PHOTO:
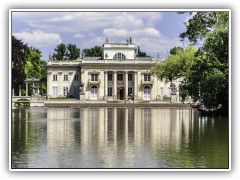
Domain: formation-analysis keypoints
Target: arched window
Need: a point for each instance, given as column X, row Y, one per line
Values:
column 119, row 56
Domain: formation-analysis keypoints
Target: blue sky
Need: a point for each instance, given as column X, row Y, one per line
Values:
column 154, row 32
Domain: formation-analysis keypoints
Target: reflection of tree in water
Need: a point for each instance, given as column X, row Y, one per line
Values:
column 203, row 145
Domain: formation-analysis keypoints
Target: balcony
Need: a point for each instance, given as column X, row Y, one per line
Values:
column 143, row 82
column 94, row 82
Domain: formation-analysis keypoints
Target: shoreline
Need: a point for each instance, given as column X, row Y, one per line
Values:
column 115, row 104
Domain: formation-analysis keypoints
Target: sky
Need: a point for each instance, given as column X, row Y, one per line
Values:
column 154, row 32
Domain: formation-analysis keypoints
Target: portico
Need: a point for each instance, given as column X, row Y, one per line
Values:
column 119, row 85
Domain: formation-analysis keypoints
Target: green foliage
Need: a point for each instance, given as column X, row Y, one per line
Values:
column 43, row 65
column 33, row 68
column 20, row 53
column 93, row 52
column 204, row 23
column 26, row 63
column 175, row 65
column 208, row 76
column 175, row 49
column 61, row 51
column 73, row 52
column 140, row 53
column 22, row 104
column 166, row 98
column 66, row 52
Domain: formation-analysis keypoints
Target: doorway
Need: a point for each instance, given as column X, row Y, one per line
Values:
column 94, row 93
column 147, row 93
column 120, row 93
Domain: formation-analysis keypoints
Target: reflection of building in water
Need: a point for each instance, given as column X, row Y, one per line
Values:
column 60, row 132
column 117, row 136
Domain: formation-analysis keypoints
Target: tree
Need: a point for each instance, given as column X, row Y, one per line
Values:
column 175, row 65
column 175, row 49
column 140, row 53
column 93, row 52
column 61, row 51
column 36, row 68
column 208, row 77
column 66, row 52
column 73, row 52
column 33, row 68
column 20, row 54
column 204, row 23
column 43, row 65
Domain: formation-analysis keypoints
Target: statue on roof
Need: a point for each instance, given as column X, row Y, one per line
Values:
column 130, row 40
column 107, row 40
column 106, row 55
column 50, row 56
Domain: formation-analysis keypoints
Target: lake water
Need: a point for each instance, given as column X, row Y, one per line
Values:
column 117, row 138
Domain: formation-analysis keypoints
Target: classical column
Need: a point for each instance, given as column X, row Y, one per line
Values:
column 49, row 80
column 114, row 85
column 126, row 85
column 135, row 85
column 60, row 90
column 19, row 92
column 105, row 85
column 26, row 89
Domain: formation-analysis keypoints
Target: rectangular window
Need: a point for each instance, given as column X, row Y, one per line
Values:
column 109, row 77
column 109, row 91
column 147, row 77
column 94, row 77
column 76, row 77
column 120, row 77
column 65, row 91
column 65, row 77
column 130, row 91
column 130, row 77
column 55, row 92
column 161, row 92
column 55, row 77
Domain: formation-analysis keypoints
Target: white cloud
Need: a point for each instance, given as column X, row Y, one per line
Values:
column 87, row 21
column 39, row 38
column 78, row 35
column 113, row 32
column 147, row 32
column 161, row 45
column 93, row 28
column 95, row 41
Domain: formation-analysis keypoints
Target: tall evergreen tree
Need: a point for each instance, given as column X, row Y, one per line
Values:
column 140, row 53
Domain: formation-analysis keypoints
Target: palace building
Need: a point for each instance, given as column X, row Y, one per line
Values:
column 118, row 75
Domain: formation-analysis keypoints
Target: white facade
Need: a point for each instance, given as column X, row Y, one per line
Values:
column 117, row 76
